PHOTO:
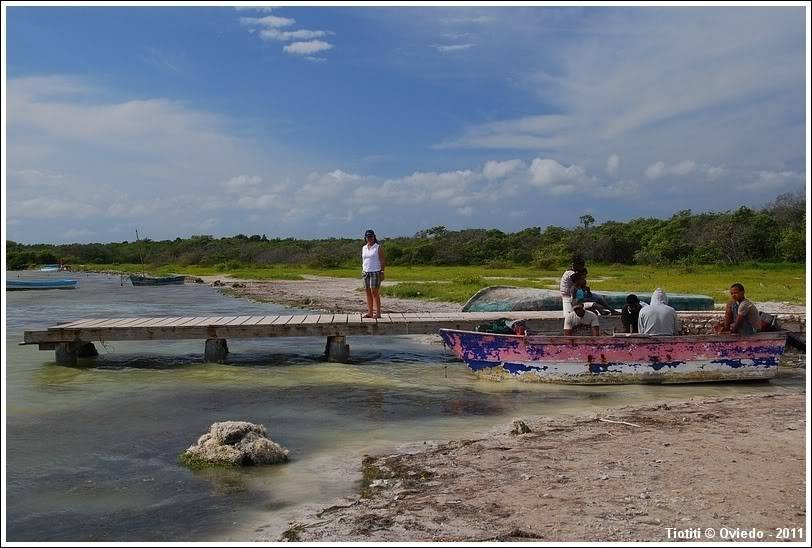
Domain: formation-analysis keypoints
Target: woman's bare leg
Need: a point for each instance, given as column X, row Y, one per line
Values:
column 370, row 310
column 376, row 294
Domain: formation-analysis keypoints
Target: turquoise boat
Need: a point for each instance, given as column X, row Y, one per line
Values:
column 506, row 299
column 22, row 285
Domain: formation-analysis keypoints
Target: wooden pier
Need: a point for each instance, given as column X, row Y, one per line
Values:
column 75, row 339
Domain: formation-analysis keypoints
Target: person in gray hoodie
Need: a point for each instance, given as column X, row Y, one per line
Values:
column 658, row 318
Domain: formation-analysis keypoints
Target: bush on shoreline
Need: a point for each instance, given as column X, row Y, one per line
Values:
column 775, row 233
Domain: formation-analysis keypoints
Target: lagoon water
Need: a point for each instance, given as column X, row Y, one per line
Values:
column 91, row 450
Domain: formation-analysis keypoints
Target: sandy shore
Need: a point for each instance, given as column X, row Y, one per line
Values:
column 734, row 462
column 336, row 295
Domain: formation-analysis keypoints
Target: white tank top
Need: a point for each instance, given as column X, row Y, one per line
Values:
column 372, row 262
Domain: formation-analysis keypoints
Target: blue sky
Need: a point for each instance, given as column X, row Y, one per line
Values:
column 324, row 121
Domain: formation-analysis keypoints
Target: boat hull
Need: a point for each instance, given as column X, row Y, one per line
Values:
column 632, row 359
column 165, row 280
column 26, row 285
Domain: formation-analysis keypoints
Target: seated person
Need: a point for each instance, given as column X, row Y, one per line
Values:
column 580, row 316
column 658, row 318
column 630, row 314
column 741, row 315
column 565, row 286
column 582, row 293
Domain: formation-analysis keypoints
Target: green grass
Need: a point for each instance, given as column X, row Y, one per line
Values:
column 763, row 281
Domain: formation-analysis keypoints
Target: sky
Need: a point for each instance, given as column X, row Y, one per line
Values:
column 323, row 121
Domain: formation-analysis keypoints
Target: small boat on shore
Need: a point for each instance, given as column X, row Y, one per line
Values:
column 500, row 298
column 156, row 280
column 21, row 285
column 619, row 359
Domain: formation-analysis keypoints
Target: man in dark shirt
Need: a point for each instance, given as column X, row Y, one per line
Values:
column 741, row 315
column 630, row 314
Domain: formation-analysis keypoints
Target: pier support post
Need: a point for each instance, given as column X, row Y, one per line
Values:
column 337, row 349
column 216, row 351
column 86, row 350
column 66, row 353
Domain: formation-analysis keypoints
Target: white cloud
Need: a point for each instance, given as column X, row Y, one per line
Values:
column 284, row 36
column 497, row 170
column 272, row 21
column 655, row 171
column 557, row 179
column 653, row 87
column 660, row 169
column 242, row 183
column 771, row 181
column 713, row 172
column 612, row 163
column 685, row 167
column 529, row 132
column 451, row 47
column 307, row 48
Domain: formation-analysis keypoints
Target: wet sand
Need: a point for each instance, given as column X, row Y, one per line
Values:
column 624, row 474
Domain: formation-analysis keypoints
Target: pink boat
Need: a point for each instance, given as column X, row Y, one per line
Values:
column 619, row 359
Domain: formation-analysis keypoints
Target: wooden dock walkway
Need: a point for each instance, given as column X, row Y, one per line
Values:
column 75, row 339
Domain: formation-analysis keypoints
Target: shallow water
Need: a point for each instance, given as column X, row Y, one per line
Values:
column 91, row 450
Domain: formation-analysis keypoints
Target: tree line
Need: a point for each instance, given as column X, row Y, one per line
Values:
column 776, row 232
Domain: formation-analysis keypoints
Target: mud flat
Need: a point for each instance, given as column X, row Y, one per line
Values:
column 636, row 473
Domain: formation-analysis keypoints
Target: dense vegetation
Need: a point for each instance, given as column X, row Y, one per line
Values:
column 773, row 233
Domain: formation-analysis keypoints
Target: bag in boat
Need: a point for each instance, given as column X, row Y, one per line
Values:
column 503, row 326
column 767, row 322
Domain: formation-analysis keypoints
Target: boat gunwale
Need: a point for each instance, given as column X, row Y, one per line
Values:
column 635, row 338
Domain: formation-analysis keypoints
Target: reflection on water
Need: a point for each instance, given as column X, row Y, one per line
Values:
column 92, row 450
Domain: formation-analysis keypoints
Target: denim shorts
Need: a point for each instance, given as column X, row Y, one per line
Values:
column 372, row 280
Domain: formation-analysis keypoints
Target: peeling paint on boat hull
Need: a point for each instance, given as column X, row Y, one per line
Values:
column 618, row 360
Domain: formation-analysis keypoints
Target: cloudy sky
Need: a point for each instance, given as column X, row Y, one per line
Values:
column 324, row 121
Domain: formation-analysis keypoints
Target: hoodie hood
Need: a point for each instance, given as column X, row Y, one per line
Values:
column 659, row 297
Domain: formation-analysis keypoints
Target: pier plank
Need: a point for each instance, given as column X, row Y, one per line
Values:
column 73, row 324
column 253, row 320
column 239, row 320
column 201, row 320
column 268, row 320
column 120, row 323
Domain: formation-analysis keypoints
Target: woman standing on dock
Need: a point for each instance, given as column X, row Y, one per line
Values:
column 373, row 266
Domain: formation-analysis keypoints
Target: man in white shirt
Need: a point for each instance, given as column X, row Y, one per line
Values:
column 658, row 318
column 579, row 316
